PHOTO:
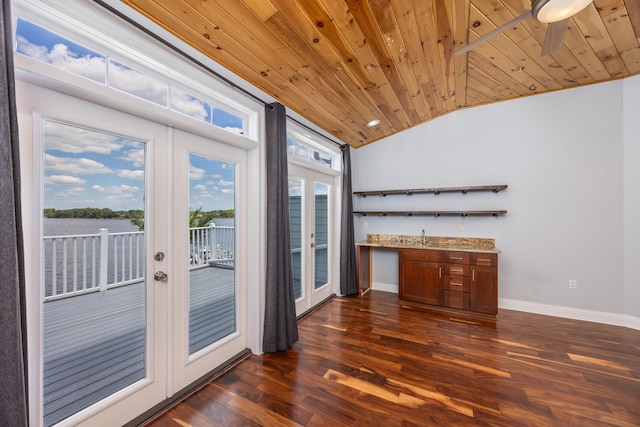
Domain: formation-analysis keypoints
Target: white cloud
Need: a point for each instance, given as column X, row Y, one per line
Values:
column 72, row 193
column 63, row 180
column 134, row 156
column 72, row 139
column 116, row 189
column 131, row 174
column 92, row 67
column 138, row 84
column 224, row 183
column 187, row 104
column 195, row 173
column 79, row 166
column 199, row 187
column 227, row 191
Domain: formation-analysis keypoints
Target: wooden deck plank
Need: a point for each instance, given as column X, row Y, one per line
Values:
column 94, row 343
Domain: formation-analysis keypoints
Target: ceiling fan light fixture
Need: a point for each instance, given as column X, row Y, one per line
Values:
column 374, row 122
column 556, row 10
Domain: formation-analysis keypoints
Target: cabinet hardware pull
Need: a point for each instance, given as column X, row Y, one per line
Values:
column 457, row 269
column 439, row 272
column 473, row 275
column 483, row 260
column 455, row 257
column 456, row 284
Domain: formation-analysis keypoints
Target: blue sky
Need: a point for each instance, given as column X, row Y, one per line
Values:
column 45, row 46
column 88, row 168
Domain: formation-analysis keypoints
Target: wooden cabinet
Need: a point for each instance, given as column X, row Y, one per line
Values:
column 484, row 283
column 421, row 276
column 463, row 281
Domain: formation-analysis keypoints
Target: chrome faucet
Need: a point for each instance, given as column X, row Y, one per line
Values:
column 424, row 238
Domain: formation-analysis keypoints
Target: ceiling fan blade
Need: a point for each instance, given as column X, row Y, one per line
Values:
column 553, row 40
column 493, row 33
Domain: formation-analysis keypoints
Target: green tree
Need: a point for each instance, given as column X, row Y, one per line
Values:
column 136, row 217
column 198, row 218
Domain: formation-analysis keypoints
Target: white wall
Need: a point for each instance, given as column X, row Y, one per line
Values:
column 561, row 155
column 631, row 126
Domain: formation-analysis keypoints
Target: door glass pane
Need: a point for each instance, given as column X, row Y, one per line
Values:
column 212, row 299
column 321, row 276
column 296, row 186
column 94, row 267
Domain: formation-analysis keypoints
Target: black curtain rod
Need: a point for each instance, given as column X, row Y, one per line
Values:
column 201, row 65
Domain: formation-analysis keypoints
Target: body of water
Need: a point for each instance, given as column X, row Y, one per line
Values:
column 74, row 226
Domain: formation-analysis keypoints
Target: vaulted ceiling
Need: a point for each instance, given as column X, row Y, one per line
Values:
column 342, row 63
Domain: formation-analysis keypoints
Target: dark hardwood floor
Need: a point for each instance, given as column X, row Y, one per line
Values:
column 372, row 362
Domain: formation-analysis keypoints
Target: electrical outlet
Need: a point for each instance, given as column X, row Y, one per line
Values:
column 573, row 284
column 365, row 225
column 460, row 227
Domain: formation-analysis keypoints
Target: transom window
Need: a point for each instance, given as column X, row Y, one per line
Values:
column 43, row 45
column 309, row 152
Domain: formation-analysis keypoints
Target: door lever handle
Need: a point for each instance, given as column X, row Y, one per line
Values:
column 160, row 276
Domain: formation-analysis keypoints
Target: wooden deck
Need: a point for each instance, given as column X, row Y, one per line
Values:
column 94, row 344
column 371, row 361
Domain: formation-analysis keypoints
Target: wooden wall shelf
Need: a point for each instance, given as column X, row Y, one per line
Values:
column 430, row 213
column 436, row 191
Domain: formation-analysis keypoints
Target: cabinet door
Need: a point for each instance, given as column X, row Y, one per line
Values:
column 421, row 281
column 484, row 289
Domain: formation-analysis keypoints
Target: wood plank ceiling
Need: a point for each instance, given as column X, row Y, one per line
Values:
column 342, row 63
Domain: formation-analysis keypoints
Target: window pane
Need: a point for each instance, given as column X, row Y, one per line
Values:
column 303, row 151
column 136, row 83
column 212, row 301
column 228, row 121
column 38, row 43
column 321, row 191
column 94, row 267
column 295, row 218
column 184, row 103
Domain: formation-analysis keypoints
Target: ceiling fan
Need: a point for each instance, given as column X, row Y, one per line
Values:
column 554, row 12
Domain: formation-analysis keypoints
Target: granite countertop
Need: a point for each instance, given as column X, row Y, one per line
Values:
column 461, row 244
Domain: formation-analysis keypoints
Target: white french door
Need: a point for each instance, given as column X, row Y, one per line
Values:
column 311, row 215
column 121, row 320
column 207, row 303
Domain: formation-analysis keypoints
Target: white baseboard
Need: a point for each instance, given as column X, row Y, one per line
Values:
column 571, row 313
column 549, row 310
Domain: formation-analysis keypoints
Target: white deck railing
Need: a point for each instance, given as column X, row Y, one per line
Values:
column 212, row 245
column 78, row 264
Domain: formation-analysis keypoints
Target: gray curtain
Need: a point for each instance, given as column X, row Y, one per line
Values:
column 280, row 324
column 348, row 263
column 13, row 347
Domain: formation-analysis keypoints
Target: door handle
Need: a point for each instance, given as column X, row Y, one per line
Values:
column 160, row 276
column 313, row 245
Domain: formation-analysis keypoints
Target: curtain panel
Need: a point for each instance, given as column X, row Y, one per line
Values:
column 280, row 323
column 13, row 357
column 348, row 262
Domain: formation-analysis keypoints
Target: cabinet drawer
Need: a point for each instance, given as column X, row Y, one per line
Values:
column 456, row 283
column 456, row 270
column 490, row 260
column 421, row 255
column 456, row 300
column 456, row 257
